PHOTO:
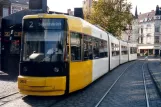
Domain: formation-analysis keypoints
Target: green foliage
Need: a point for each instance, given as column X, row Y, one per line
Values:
column 112, row 15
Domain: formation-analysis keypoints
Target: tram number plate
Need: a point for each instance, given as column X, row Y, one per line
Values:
column 23, row 81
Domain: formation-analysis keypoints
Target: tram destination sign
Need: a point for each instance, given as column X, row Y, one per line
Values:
column 42, row 24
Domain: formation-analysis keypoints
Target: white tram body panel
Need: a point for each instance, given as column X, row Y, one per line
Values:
column 132, row 56
column 123, row 56
column 114, row 60
column 100, row 66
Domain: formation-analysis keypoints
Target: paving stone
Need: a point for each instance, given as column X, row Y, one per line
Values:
column 8, row 84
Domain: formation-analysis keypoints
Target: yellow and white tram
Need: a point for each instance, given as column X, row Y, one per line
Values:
column 61, row 54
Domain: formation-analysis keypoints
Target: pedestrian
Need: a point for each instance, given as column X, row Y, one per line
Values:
column 146, row 55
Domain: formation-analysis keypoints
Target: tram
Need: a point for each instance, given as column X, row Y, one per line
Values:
column 61, row 54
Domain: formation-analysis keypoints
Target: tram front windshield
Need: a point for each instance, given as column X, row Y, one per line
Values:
column 43, row 40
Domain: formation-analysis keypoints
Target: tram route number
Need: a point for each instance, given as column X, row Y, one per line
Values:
column 15, row 33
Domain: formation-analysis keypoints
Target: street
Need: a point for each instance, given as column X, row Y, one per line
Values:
column 128, row 90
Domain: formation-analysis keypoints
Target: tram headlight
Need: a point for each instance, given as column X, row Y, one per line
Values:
column 56, row 69
column 25, row 69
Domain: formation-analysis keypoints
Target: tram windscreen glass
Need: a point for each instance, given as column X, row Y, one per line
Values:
column 44, row 43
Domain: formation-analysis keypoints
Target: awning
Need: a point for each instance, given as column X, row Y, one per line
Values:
column 148, row 47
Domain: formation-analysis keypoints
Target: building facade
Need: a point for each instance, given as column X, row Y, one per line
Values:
column 87, row 6
column 4, row 9
column 18, row 5
column 8, row 7
column 149, row 32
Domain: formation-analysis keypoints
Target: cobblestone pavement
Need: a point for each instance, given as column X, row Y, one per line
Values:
column 128, row 92
column 8, row 84
column 83, row 98
column 155, row 70
column 154, row 98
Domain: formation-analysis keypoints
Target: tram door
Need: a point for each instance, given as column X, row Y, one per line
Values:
column 11, row 53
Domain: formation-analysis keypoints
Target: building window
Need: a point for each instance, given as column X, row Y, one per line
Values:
column 5, row 12
column 138, row 40
column 157, row 29
column 148, row 25
column 156, row 39
column 141, row 39
column 141, row 30
column 15, row 9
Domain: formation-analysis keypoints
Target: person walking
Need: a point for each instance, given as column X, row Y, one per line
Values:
column 146, row 55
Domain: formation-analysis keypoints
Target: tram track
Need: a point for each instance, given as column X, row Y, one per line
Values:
column 103, row 97
column 10, row 97
column 145, row 86
column 154, row 81
column 149, row 99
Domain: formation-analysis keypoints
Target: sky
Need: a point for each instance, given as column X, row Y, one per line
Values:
column 144, row 6
column 62, row 5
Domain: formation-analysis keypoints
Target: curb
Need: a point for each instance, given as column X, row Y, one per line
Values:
column 155, row 81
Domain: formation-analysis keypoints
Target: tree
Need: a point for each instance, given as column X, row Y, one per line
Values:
column 112, row 15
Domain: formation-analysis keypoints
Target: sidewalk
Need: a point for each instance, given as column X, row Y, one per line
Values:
column 8, row 84
column 154, row 67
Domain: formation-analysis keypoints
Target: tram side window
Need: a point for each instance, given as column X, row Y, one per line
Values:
column 67, row 48
column 133, row 50
column 103, row 49
column 124, row 50
column 75, row 46
column 96, row 44
column 90, row 48
column 87, row 48
column 115, row 49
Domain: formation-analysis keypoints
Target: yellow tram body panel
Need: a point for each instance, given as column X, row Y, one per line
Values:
column 80, row 75
column 42, row 85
